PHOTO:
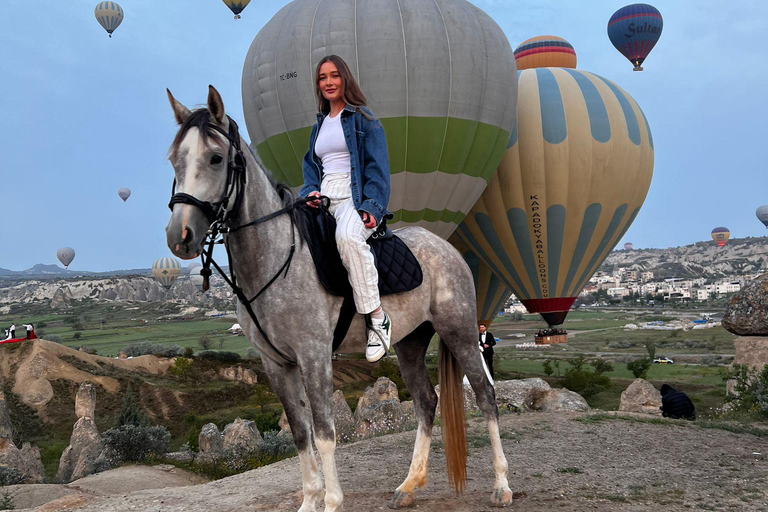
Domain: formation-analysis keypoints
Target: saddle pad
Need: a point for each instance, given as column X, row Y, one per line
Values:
column 399, row 270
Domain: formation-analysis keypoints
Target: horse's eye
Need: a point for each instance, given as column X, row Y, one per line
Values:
column 216, row 160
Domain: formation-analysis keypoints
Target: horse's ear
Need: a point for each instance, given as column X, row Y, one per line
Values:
column 180, row 112
column 216, row 105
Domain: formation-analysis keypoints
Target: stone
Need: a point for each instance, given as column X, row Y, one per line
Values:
column 747, row 311
column 6, row 428
column 381, row 418
column 85, row 401
column 510, row 394
column 557, row 400
column 86, row 448
column 343, row 419
column 240, row 374
column 641, row 397
column 26, row 461
column 751, row 351
column 241, row 436
column 383, row 389
column 210, row 444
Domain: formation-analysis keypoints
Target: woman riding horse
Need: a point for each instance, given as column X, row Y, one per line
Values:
column 347, row 162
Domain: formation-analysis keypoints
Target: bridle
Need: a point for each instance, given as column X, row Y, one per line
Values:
column 220, row 215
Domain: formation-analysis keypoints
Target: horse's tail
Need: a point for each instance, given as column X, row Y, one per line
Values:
column 452, row 418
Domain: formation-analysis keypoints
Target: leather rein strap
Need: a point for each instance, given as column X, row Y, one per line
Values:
column 219, row 214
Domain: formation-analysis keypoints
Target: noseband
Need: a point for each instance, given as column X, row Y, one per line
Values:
column 219, row 215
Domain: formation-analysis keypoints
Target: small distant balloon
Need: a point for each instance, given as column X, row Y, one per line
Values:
column 634, row 31
column 236, row 6
column 195, row 276
column 762, row 214
column 166, row 270
column 629, row 246
column 721, row 235
column 545, row 52
column 65, row 255
column 124, row 193
column 109, row 15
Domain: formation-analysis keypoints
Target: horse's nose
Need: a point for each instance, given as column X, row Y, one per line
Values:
column 187, row 235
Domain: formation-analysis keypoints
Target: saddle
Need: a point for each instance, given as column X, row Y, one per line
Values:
column 399, row 270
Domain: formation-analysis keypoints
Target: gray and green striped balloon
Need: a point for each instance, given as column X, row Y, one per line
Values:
column 440, row 74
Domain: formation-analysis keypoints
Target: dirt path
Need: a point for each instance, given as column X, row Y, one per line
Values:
column 556, row 463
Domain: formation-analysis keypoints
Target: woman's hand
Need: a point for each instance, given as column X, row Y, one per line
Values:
column 369, row 220
column 316, row 202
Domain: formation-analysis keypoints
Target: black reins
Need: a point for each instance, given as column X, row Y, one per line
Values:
column 219, row 214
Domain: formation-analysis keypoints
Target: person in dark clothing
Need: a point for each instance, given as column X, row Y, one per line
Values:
column 487, row 341
column 676, row 404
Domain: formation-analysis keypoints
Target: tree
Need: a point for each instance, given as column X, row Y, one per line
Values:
column 602, row 366
column 221, row 341
column 204, row 342
column 556, row 364
column 130, row 414
column 77, row 335
column 263, row 395
column 181, row 368
column 650, row 346
column 639, row 368
column 548, row 370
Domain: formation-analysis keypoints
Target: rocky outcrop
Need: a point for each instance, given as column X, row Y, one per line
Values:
column 747, row 312
column 529, row 395
column 343, row 419
column 240, row 374
column 27, row 460
column 86, row 448
column 557, row 400
column 641, row 397
column 383, row 389
column 379, row 411
column 210, row 444
column 62, row 299
column 241, row 436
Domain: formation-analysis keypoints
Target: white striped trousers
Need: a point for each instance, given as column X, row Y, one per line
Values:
column 351, row 236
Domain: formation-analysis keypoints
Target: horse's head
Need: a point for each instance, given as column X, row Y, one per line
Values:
column 200, row 155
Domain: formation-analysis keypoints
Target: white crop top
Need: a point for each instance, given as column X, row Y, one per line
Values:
column 331, row 147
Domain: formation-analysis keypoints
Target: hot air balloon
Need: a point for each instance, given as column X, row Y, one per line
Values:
column 236, row 6
column 124, row 193
column 634, row 31
column 447, row 104
column 574, row 176
column 629, row 246
column 195, row 277
column 762, row 214
column 166, row 270
column 65, row 255
column 543, row 52
column 109, row 15
column 721, row 235
column 491, row 293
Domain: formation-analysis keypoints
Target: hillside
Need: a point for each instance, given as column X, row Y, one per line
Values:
column 702, row 259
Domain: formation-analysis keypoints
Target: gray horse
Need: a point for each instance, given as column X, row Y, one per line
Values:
column 296, row 316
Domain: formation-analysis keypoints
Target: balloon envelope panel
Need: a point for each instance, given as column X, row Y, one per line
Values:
column 634, row 31
column 109, row 15
column 577, row 170
column 721, row 235
column 628, row 246
column 762, row 214
column 166, row 270
column 440, row 75
column 124, row 193
column 545, row 52
column 65, row 255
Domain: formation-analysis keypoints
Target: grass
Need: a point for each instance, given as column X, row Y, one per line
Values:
column 569, row 470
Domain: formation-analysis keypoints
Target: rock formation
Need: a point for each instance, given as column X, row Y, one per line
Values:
column 343, row 419
column 210, row 444
column 86, row 446
column 747, row 312
column 240, row 374
column 241, row 436
column 641, row 397
column 529, row 395
column 27, row 460
column 379, row 410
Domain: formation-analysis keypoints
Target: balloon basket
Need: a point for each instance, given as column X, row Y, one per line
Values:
column 237, row 16
column 637, row 68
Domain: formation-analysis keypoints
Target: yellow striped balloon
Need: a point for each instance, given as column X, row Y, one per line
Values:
column 491, row 292
column 545, row 52
column 572, row 180
column 109, row 15
column 166, row 270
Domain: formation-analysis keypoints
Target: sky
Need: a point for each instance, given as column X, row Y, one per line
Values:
column 83, row 115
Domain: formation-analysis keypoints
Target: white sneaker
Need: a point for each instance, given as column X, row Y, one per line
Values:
column 379, row 332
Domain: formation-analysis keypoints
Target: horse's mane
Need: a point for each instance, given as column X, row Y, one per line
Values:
column 200, row 118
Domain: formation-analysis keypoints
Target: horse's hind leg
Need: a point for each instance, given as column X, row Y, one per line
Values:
column 460, row 336
column 410, row 353
column 287, row 384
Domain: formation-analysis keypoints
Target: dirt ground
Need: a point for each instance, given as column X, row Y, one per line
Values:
column 556, row 463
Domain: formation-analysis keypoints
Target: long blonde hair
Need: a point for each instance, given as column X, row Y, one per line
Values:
column 353, row 95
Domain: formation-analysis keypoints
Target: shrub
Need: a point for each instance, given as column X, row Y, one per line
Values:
column 189, row 352
column 251, row 353
column 650, row 346
column 267, row 421
column 88, row 350
column 585, row 382
column 517, row 316
column 548, row 370
column 6, row 501
column 621, row 344
column 602, row 366
column 137, row 443
column 639, row 368
column 750, row 390
column 130, row 414
column 182, row 368
column 147, row 348
column 77, row 335
column 10, row 476
column 52, row 337
column 711, row 360
column 263, row 395
column 204, row 342
column 221, row 356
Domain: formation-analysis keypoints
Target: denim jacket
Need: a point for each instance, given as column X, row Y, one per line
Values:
column 369, row 161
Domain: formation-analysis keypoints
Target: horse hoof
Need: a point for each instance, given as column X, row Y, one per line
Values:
column 501, row 498
column 402, row 500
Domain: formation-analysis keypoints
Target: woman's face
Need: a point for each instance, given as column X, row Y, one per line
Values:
column 329, row 82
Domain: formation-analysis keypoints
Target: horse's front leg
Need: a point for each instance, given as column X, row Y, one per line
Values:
column 287, row 384
column 318, row 379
